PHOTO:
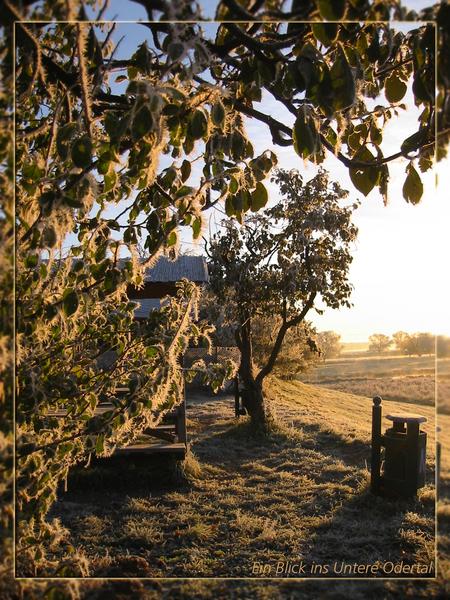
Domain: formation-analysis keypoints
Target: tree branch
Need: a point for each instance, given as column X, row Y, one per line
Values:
column 393, row 67
column 275, row 125
column 238, row 10
column 285, row 326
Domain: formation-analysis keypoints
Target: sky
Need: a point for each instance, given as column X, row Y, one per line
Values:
column 128, row 10
column 399, row 272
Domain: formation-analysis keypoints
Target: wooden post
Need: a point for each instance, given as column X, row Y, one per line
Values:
column 237, row 411
column 412, row 462
column 180, row 422
column 438, row 462
column 375, row 468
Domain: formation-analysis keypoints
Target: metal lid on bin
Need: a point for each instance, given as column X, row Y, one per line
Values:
column 406, row 418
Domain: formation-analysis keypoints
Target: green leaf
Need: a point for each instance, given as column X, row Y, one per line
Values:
column 151, row 351
column 81, row 152
column 237, row 145
column 266, row 70
column 413, row 186
column 185, row 170
column 110, row 181
column 112, row 224
column 46, row 201
column 49, row 237
column 100, row 444
column 94, row 50
column 132, row 72
column 415, row 140
column 242, row 201
column 111, row 281
column 294, row 78
column 331, row 10
column 175, row 50
column 31, row 261
column 342, row 82
column 304, row 136
column 364, row 179
column 420, row 89
column 354, row 140
column 129, row 236
column 169, row 176
column 218, row 114
column 173, row 92
column 63, row 137
column 172, row 238
column 375, row 134
column 325, row 33
column 111, row 124
column 98, row 269
column 70, row 302
column 153, row 222
column 237, row 203
column 229, row 208
column 259, row 197
column 196, row 227
column 142, row 122
column 185, row 190
column 32, row 171
column 103, row 163
column 394, row 88
column 143, row 59
column 233, row 185
column 72, row 201
column 425, row 163
column 198, row 124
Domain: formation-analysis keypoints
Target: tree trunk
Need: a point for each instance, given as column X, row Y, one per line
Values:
column 254, row 403
column 252, row 395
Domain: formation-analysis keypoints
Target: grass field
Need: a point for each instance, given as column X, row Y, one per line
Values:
column 301, row 495
column 354, row 347
column 398, row 378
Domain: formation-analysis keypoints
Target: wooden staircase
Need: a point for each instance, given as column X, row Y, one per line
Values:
column 170, row 437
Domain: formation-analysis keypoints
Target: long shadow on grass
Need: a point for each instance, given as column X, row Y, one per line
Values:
column 376, row 535
column 294, row 494
column 321, row 474
column 119, row 475
column 240, row 441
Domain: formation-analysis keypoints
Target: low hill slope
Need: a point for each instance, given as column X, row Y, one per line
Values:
column 347, row 415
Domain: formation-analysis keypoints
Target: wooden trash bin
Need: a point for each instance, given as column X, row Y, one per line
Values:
column 398, row 455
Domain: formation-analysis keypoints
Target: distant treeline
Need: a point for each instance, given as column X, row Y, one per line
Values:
column 412, row 344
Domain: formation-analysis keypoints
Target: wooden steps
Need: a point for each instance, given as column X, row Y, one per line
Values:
column 169, row 437
column 176, row 448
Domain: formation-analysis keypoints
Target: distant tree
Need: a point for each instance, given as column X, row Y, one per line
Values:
column 424, row 343
column 379, row 343
column 279, row 263
column 329, row 343
column 401, row 340
column 414, row 343
column 442, row 346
